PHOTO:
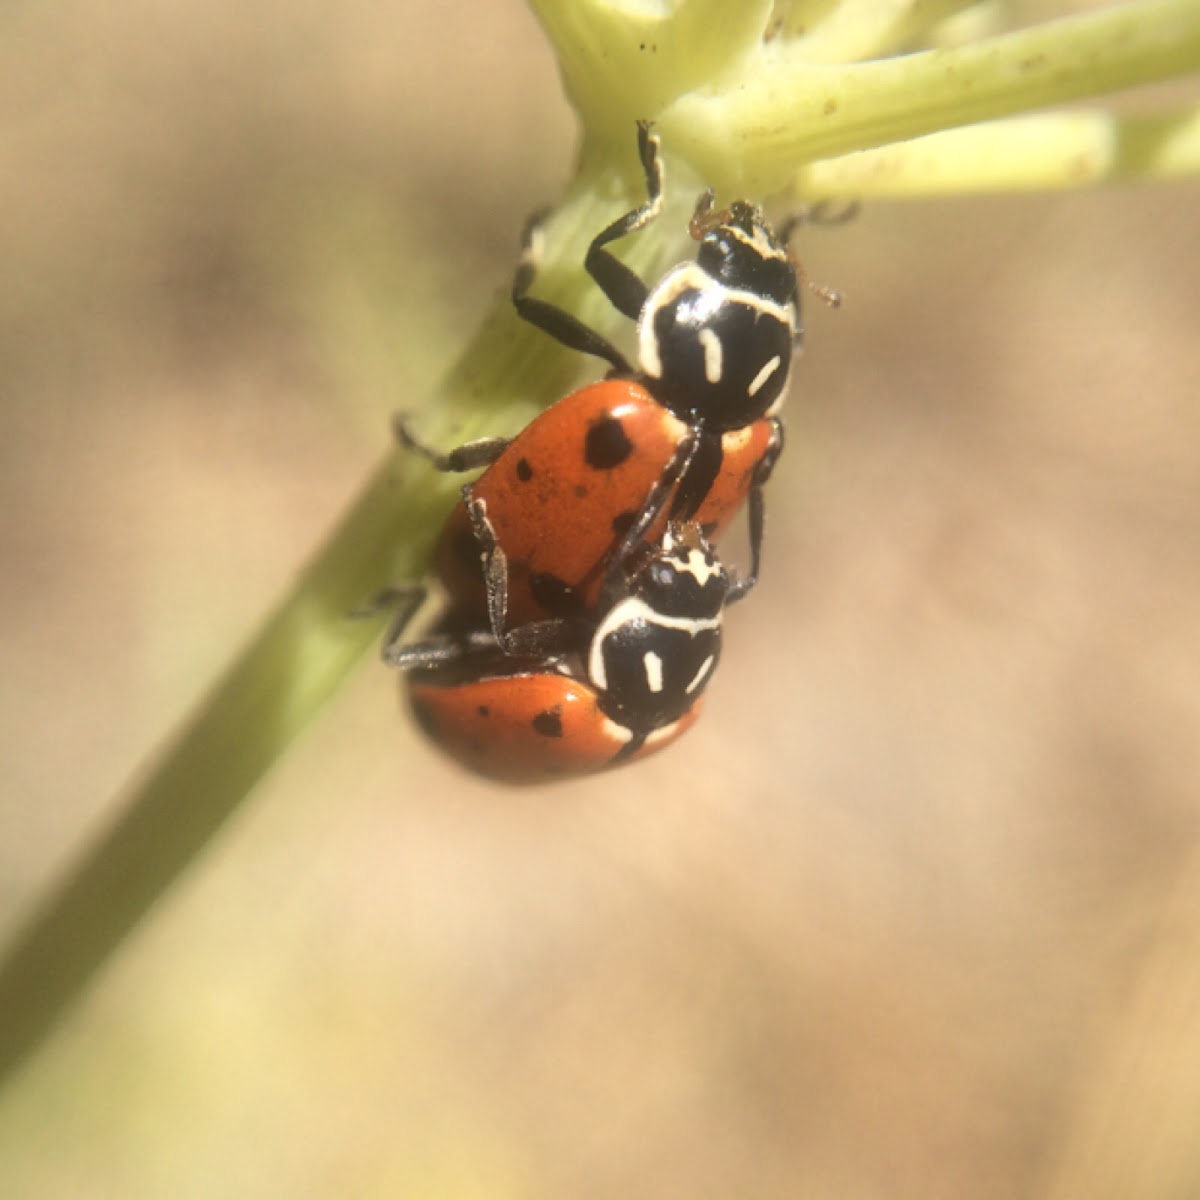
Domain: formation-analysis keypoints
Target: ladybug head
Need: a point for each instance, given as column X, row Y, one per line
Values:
column 739, row 249
column 683, row 578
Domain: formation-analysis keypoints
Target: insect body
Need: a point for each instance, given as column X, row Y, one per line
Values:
column 559, row 707
column 690, row 433
column 564, row 493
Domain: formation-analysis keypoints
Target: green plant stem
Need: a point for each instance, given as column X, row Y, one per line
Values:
column 297, row 661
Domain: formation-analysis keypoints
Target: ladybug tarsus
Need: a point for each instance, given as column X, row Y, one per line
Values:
column 561, row 325
column 470, row 456
column 625, row 289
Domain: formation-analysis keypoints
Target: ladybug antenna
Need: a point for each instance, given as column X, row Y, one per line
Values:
column 704, row 219
column 823, row 212
column 830, row 296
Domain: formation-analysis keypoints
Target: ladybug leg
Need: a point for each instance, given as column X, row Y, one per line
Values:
column 561, row 325
column 740, row 586
column 405, row 599
column 766, row 464
column 495, row 566
column 823, row 212
column 544, row 639
column 545, row 642
column 652, row 508
column 757, row 514
column 481, row 452
column 625, row 290
column 437, row 651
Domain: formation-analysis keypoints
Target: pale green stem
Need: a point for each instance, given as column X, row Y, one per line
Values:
column 856, row 30
column 787, row 111
column 624, row 62
column 1035, row 153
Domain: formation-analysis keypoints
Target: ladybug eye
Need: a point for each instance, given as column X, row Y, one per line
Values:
column 725, row 253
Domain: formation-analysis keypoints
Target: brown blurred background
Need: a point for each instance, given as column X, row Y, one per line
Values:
column 914, row 913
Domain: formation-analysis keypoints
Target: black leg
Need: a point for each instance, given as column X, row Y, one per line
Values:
column 741, row 586
column 822, row 213
column 561, row 325
column 626, row 292
column 481, row 452
column 652, row 508
column 436, row 651
column 547, row 641
column 541, row 639
column 495, row 569
column 541, row 642
column 405, row 599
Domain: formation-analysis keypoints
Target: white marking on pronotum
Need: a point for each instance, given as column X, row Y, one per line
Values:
column 701, row 675
column 768, row 370
column 654, row 671
column 689, row 277
column 699, row 310
column 630, row 610
column 713, row 356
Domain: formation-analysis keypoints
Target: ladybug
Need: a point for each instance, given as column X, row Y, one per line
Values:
column 686, row 435
column 554, row 707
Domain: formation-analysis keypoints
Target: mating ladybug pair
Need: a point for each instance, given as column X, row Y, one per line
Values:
column 585, row 599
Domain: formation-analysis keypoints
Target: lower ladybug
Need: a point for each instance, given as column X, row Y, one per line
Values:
column 553, row 707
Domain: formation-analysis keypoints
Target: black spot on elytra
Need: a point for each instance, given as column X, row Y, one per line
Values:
column 524, row 470
column 549, row 722
column 622, row 521
column 581, row 491
column 551, row 593
column 606, row 445
column 484, row 711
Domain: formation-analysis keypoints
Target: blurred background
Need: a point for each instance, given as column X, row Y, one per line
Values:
column 914, row 912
